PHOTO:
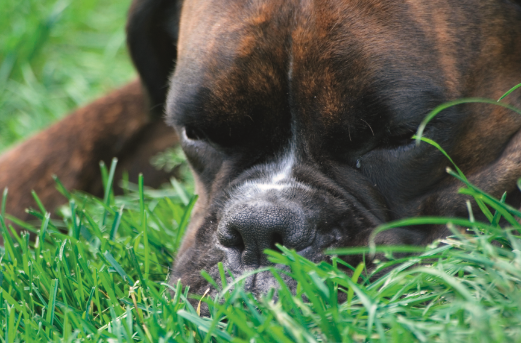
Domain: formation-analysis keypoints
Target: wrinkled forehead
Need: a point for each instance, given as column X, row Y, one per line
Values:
column 223, row 35
column 233, row 28
column 214, row 33
column 329, row 56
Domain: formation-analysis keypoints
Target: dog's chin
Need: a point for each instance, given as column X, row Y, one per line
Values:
column 255, row 279
column 260, row 279
column 260, row 282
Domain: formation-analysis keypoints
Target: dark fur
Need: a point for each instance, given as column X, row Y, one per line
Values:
column 350, row 80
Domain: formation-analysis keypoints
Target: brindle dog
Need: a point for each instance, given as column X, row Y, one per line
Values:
column 296, row 117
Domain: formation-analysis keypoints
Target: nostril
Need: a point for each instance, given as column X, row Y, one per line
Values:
column 231, row 239
column 245, row 231
column 276, row 239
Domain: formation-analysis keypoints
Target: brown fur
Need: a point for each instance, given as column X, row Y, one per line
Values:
column 348, row 81
column 117, row 125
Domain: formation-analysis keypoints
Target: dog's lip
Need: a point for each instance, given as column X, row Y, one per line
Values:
column 260, row 279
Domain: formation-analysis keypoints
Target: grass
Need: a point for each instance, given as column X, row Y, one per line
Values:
column 56, row 55
column 106, row 279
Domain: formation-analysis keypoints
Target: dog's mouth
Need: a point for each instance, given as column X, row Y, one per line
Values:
column 302, row 218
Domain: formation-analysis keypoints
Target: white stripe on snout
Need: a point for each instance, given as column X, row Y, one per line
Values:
column 286, row 166
column 278, row 176
column 281, row 173
column 269, row 186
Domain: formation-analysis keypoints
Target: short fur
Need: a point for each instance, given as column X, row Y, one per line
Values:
column 117, row 125
column 342, row 84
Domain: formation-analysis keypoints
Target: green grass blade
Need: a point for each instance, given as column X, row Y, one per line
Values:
column 116, row 223
column 38, row 202
column 482, row 206
column 9, row 244
column 440, row 108
column 118, row 267
column 61, row 188
column 185, row 220
column 89, row 301
column 51, row 305
column 4, row 201
column 41, row 235
column 204, row 325
column 10, row 300
column 354, row 278
column 108, row 188
column 508, row 92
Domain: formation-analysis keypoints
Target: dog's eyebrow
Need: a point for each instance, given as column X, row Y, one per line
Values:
column 412, row 98
column 185, row 103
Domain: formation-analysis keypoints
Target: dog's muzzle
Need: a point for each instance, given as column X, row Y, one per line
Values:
column 247, row 229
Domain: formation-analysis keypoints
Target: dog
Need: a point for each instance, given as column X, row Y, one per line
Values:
column 296, row 117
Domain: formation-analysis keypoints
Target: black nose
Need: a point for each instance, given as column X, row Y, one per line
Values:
column 248, row 229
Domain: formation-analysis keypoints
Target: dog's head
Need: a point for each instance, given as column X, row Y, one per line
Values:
column 297, row 116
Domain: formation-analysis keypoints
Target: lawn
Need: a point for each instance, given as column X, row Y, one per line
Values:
column 102, row 272
column 56, row 56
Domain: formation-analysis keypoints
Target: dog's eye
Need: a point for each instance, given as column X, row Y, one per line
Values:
column 400, row 140
column 194, row 133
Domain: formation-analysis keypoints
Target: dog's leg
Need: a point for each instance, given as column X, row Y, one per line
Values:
column 117, row 125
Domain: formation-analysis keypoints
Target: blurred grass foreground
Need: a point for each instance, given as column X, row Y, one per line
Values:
column 56, row 56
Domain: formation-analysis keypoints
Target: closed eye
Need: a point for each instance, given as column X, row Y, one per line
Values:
column 402, row 140
column 196, row 137
column 398, row 142
column 194, row 134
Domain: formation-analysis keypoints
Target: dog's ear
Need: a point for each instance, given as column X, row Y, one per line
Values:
column 152, row 31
